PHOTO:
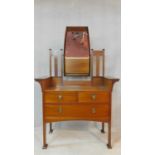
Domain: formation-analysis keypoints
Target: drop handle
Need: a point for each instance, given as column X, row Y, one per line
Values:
column 93, row 97
column 60, row 110
column 93, row 110
column 59, row 97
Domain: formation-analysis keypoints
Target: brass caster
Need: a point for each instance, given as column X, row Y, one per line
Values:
column 45, row 146
column 109, row 146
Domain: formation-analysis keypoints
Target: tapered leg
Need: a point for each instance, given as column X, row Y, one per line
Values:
column 51, row 130
column 44, row 136
column 109, row 136
column 102, row 130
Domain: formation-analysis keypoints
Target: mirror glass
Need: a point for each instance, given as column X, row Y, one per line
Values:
column 77, row 51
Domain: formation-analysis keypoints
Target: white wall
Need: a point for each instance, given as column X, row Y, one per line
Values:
column 103, row 19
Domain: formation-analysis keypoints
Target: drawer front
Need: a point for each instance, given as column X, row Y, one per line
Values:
column 80, row 111
column 98, row 97
column 60, row 97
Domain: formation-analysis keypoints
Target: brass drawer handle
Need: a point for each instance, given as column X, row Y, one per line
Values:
column 59, row 97
column 60, row 110
column 93, row 97
column 93, row 110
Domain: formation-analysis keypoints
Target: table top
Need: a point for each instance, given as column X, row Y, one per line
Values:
column 78, row 88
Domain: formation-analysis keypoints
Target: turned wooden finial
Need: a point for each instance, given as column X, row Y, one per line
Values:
column 50, row 51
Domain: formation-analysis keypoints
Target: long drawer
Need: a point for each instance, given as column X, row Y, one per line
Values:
column 92, row 97
column 76, row 111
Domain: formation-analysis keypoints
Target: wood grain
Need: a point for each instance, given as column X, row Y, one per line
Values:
column 60, row 97
column 81, row 111
column 93, row 97
column 76, row 66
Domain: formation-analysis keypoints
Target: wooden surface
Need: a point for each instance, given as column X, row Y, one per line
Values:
column 76, row 111
column 65, row 100
column 93, row 97
column 77, row 100
column 60, row 97
column 74, row 66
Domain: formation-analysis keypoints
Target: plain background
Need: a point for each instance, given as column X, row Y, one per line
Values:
column 103, row 17
column 17, row 77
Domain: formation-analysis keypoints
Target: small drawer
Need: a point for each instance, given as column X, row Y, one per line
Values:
column 89, row 97
column 60, row 97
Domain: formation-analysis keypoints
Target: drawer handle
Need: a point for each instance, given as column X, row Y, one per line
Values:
column 60, row 110
column 93, row 110
column 93, row 97
column 59, row 97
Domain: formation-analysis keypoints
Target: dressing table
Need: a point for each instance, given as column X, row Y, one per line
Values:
column 77, row 91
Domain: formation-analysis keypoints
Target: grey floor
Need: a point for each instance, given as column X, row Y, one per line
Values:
column 76, row 140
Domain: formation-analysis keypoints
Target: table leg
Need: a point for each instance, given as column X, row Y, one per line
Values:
column 44, row 136
column 109, row 136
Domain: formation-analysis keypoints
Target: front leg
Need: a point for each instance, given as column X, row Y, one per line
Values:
column 44, row 136
column 109, row 136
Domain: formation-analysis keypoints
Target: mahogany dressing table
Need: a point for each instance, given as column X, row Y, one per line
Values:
column 90, row 99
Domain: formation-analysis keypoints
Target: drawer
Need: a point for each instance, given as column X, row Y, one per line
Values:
column 60, row 97
column 102, row 97
column 80, row 111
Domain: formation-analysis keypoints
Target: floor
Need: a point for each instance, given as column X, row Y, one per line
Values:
column 76, row 141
